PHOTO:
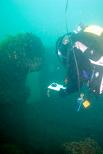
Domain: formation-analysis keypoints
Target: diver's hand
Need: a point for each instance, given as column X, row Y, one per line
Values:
column 52, row 93
column 62, row 92
column 55, row 90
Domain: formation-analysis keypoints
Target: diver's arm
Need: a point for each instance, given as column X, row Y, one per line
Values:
column 71, row 88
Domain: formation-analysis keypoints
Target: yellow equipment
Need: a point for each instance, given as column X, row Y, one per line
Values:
column 86, row 104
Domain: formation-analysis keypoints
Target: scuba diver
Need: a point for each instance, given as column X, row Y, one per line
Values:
column 81, row 52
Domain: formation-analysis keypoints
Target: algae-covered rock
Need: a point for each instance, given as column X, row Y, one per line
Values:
column 19, row 55
column 86, row 146
column 24, row 50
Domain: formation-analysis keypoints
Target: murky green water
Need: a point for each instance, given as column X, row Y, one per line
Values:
column 43, row 124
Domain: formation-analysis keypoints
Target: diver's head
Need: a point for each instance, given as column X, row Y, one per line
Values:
column 63, row 48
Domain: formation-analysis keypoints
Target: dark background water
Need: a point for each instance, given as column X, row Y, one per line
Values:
column 44, row 124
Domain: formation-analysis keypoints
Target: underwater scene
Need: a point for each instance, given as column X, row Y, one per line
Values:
column 51, row 77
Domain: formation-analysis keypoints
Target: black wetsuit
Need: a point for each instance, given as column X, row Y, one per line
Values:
column 80, row 68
